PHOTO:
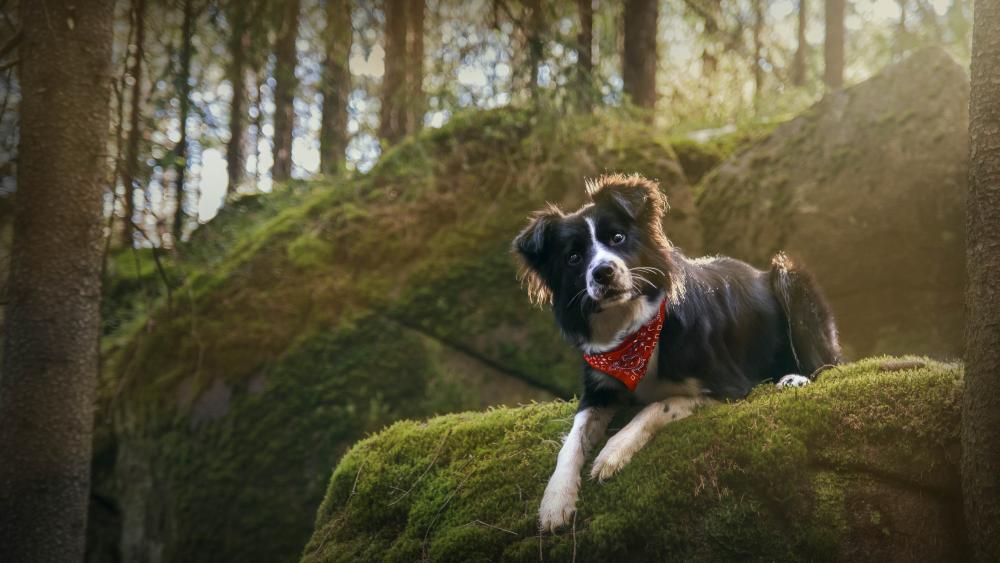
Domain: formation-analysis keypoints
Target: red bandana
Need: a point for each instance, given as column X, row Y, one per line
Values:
column 627, row 362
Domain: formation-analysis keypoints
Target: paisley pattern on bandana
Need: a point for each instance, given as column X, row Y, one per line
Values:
column 627, row 362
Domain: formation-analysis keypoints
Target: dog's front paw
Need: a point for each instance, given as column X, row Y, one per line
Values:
column 558, row 505
column 613, row 457
column 793, row 380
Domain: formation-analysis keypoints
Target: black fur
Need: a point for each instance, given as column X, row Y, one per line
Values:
column 728, row 325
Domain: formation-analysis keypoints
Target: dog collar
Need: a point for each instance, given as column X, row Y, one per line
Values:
column 628, row 361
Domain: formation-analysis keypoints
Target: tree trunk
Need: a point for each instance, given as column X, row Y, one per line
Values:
column 239, row 47
column 981, row 403
column 131, row 165
column 802, row 47
column 284, row 91
column 639, row 57
column 585, row 54
column 336, row 86
column 52, row 320
column 758, row 51
column 415, row 106
column 392, row 116
column 833, row 45
column 184, row 93
column 536, row 45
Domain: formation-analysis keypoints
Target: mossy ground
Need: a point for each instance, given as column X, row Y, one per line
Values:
column 296, row 328
column 861, row 465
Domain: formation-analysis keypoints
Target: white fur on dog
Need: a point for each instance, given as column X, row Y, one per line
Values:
column 559, row 499
column 629, row 440
column 793, row 380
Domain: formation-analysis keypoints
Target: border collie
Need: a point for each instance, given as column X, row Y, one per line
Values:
column 657, row 328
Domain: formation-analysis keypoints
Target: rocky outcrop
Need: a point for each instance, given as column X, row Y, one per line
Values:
column 347, row 307
column 868, row 189
column 859, row 466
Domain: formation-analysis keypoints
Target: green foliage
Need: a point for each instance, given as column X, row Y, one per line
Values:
column 861, row 463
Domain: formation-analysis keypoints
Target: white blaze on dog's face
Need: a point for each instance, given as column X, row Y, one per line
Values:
column 607, row 275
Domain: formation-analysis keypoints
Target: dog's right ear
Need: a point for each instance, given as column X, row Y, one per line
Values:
column 530, row 246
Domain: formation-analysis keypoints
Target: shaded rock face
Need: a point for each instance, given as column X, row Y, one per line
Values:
column 389, row 296
column 868, row 189
column 860, row 466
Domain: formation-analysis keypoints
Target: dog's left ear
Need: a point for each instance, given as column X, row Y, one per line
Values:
column 639, row 197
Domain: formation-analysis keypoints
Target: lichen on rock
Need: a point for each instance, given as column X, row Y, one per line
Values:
column 861, row 465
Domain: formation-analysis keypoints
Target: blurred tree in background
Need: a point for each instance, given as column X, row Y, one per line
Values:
column 216, row 98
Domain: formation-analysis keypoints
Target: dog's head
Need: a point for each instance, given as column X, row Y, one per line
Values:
column 609, row 252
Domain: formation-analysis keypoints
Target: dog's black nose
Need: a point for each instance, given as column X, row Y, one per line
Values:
column 603, row 274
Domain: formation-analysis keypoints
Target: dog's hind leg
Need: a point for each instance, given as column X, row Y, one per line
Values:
column 812, row 332
column 559, row 499
column 629, row 440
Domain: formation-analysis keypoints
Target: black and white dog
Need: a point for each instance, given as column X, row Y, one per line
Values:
column 657, row 328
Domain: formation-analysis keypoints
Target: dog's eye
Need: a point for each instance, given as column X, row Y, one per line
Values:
column 617, row 238
column 574, row 259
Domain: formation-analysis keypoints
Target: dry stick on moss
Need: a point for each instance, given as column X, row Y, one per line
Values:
column 444, row 505
column 332, row 525
column 478, row 522
column 426, row 469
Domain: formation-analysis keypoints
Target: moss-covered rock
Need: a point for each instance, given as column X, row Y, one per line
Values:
column 862, row 465
column 868, row 188
column 351, row 305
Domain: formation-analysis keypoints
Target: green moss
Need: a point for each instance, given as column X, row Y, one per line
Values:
column 779, row 476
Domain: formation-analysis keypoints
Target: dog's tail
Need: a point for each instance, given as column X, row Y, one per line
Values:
column 812, row 332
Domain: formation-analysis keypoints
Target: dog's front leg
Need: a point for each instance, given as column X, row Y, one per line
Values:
column 623, row 445
column 559, row 499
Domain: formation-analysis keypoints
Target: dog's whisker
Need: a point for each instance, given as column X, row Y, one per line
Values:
column 575, row 296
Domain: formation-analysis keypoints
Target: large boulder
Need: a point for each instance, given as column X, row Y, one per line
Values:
column 868, row 189
column 860, row 466
column 390, row 295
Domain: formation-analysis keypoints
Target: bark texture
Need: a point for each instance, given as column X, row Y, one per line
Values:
column 50, row 351
column 833, row 45
column 392, row 115
column 639, row 56
column 336, row 86
column 239, row 48
column 130, row 168
column 981, row 405
column 415, row 66
column 285, row 88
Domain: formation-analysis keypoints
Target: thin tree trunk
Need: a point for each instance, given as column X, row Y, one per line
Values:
column 239, row 47
column 392, row 115
column 981, row 403
column 131, row 166
column 260, row 77
column 639, row 57
column 336, row 86
column 899, row 45
column 802, row 47
column 52, row 319
column 536, row 45
column 585, row 54
column 758, row 48
column 415, row 105
column 286, row 60
column 833, row 45
column 184, row 93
